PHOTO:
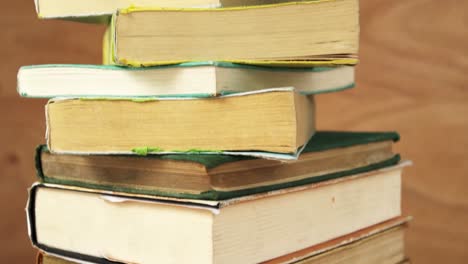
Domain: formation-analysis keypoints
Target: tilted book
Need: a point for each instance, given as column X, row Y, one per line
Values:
column 275, row 123
column 103, row 226
column 328, row 155
column 202, row 79
column 297, row 33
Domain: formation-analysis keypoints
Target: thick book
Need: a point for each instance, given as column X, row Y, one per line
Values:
column 381, row 243
column 201, row 79
column 328, row 155
column 101, row 227
column 288, row 33
column 260, row 123
column 100, row 10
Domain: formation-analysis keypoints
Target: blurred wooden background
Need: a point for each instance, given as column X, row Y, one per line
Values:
column 412, row 77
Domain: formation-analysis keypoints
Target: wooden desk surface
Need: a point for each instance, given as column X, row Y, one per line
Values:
column 413, row 78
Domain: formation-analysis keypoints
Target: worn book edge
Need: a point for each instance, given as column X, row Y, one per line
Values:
column 145, row 150
column 216, row 64
column 112, row 38
column 214, row 195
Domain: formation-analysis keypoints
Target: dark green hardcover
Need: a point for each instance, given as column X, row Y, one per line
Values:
column 322, row 140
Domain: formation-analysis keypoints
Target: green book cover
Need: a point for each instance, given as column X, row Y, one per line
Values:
column 321, row 141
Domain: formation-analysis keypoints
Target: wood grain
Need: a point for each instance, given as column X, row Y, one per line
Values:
column 412, row 77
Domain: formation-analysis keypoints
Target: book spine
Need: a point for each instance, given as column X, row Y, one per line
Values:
column 38, row 162
column 106, row 47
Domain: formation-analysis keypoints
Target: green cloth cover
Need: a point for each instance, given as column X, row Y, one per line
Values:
column 322, row 140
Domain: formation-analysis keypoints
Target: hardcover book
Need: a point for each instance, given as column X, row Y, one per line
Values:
column 381, row 243
column 259, row 123
column 201, row 79
column 328, row 155
column 94, row 226
column 289, row 33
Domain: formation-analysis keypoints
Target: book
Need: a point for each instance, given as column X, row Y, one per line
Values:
column 384, row 247
column 266, row 121
column 328, row 155
column 303, row 32
column 380, row 243
column 201, row 79
column 98, row 226
column 100, row 10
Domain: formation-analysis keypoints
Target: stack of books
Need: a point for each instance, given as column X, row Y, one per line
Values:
column 196, row 142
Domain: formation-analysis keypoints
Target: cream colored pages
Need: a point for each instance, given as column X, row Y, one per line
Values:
column 149, row 36
column 279, row 225
column 241, row 231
